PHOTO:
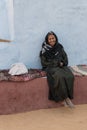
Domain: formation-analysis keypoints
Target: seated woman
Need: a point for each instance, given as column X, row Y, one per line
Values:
column 54, row 61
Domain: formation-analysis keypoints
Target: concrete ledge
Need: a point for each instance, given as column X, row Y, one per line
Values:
column 31, row 95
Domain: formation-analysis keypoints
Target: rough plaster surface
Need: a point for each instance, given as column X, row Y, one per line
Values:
column 33, row 19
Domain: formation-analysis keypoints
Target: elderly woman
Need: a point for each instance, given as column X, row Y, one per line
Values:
column 54, row 61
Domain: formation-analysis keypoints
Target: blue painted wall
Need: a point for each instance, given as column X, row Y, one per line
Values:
column 34, row 18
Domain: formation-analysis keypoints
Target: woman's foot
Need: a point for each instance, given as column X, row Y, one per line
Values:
column 64, row 103
column 69, row 103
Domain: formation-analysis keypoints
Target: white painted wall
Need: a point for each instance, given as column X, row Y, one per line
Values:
column 34, row 18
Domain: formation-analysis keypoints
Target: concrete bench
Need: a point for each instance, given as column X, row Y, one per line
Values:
column 32, row 95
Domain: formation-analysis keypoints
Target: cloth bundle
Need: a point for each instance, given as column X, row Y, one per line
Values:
column 18, row 69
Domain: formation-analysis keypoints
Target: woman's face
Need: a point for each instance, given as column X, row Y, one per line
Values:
column 51, row 40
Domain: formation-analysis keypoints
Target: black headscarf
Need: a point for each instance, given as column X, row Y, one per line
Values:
column 48, row 50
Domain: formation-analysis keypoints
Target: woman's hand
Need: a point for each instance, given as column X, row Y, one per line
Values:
column 61, row 64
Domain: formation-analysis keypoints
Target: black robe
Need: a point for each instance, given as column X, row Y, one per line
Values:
column 60, row 79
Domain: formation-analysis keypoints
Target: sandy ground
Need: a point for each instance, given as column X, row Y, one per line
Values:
column 62, row 118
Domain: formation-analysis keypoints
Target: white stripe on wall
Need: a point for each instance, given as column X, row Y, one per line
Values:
column 10, row 12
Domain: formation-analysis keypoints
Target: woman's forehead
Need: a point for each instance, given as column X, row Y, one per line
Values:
column 51, row 35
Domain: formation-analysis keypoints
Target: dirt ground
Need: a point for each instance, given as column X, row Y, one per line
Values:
column 61, row 118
